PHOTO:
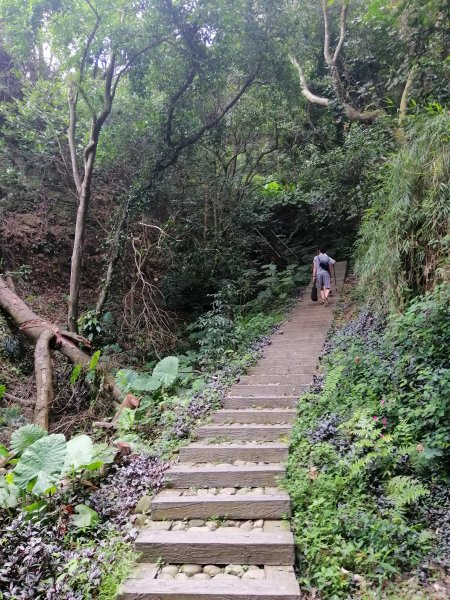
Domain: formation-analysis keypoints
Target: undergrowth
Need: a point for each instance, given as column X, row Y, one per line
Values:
column 72, row 535
column 371, row 450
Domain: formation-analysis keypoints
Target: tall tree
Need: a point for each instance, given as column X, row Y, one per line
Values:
column 332, row 52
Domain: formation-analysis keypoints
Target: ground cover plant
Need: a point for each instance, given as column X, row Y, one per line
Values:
column 370, row 453
column 67, row 505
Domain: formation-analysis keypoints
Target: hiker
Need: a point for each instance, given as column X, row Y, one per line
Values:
column 322, row 264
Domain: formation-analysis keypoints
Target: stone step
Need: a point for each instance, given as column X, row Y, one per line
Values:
column 295, row 348
column 273, row 505
column 224, row 475
column 272, row 379
column 260, row 432
column 265, row 364
column 236, row 402
column 297, row 368
column 296, row 344
column 266, row 390
column 276, row 355
column 226, row 545
column 254, row 416
column 277, row 583
column 270, row 452
column 301, row 330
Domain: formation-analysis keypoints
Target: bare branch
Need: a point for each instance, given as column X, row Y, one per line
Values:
column 73, row 102
column 326, row 33
column 342, row 32
column 128, row 64
column 88, row 103
column 304, row 85
column 72, row 99
column 107, row 96
column 21, row 401
column 89, row 41
column 270, row 150
column 170, row 159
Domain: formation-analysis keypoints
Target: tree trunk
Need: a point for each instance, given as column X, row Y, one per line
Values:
column 77, row 253
column 44, row 384
column 33, row 327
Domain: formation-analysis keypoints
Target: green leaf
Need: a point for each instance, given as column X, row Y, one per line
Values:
column 146, row 383
column 3, row 450
column 166, row 371
column 42, row 464
column 125, row 379
column 75, row 373
column 25, row 436
column 80, row 452
column 94, row 360
column 36, row 507
column 9, row 494
column 126, row 419
column 84, row 517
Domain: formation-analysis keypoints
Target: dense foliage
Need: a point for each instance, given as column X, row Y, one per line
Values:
column 167, row 170
column 404, row 241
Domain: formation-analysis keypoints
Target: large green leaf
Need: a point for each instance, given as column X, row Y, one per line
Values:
column 23, row 437
column 80, row 452
column 42, row 464
column 146, row 383
column 166, row 371
column 84, row 517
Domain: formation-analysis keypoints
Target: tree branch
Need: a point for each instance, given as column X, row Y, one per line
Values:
column 304, row 85
column 169, row 159
column 326, row 32
column 342, row 32
column 181, row 90
column 258, row 160
column 72, row 100
column 128, row 64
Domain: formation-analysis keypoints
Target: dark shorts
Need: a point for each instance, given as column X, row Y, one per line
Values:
column 323, row 281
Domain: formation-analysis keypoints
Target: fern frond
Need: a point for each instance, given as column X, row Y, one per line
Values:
column 403, row 491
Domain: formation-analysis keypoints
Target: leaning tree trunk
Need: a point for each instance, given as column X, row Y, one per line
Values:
column 33, row 327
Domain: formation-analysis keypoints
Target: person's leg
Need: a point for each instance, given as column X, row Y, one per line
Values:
column 321, row 284
column 326, row 287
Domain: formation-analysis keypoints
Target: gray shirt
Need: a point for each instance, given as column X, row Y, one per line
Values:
column 323, row 258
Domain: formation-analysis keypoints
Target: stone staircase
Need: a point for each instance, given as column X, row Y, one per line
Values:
column 220, row 529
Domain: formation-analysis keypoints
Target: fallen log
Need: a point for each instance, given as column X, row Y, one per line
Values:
column 63, row 341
